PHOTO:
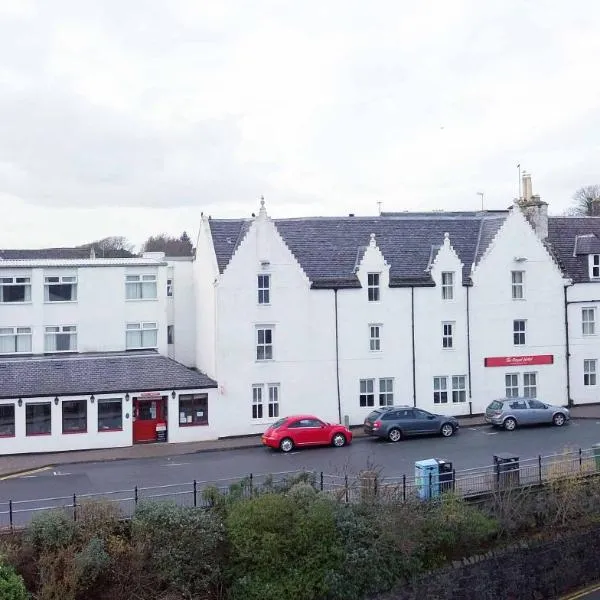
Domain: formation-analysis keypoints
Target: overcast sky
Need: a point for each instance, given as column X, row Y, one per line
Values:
column 131, row 117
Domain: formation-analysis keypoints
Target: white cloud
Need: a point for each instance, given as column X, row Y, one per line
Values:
column 130, row 118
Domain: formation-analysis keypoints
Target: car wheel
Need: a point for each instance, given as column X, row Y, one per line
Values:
column 286, row 445
column 559, row 419
column 510, row 424
column 339, row 440
column 394, row 435
column 447, row 430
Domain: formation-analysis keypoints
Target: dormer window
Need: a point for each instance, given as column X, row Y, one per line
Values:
column 594, row 266
column 373, row 287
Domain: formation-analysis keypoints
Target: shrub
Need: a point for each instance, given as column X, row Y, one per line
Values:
column 12, row 586
column 98, row 519
column 182, row 546
column 91, row 563
column 51, row 530
column 452, row 529
column 282, row 546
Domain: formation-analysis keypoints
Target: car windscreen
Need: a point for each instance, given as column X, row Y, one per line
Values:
column 279, row 423
column 496, row 405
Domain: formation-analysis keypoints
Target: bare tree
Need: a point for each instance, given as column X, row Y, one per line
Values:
column 112, row 247
column 583, row 200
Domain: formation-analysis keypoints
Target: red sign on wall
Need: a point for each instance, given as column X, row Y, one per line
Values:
column 518, row 361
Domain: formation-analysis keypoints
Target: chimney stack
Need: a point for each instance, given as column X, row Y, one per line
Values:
column 534, row 209
column 526, row 186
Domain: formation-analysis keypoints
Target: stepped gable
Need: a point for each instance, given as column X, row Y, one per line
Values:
column 328, row 248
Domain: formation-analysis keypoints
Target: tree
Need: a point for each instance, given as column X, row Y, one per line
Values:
column 112, row 247
column 171, row 246
column 584, row 198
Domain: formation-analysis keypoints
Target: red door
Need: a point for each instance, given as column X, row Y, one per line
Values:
column 147, row 414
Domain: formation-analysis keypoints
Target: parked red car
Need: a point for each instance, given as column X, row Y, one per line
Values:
column 305, row 430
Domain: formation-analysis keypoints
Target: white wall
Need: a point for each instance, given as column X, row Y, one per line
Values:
column 583, row 347
column 304, row 336
column 100, row 313
column 194, row 433
column 182, row 306
column 493, row 311
column 205, row 275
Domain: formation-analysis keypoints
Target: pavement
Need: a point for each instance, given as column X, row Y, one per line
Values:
column 30, row 463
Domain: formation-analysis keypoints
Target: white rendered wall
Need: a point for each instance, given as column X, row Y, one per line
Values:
column 183, row 311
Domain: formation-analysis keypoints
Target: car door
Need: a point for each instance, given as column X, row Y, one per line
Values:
column 426, row 422
column 520, row 411
column 318, row 432
column 406, row 420
column 539, row 412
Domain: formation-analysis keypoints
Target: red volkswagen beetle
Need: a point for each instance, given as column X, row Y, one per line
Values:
column 305, row 430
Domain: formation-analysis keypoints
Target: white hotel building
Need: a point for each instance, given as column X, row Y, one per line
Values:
column 444, row 311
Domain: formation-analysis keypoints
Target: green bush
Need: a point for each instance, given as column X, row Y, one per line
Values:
column 91, row 563
column 183, row 547
column 11, row 584
column 282, row 546
column 51, row 530
column 451, row 528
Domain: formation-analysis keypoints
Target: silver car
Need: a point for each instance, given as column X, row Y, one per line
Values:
column 512, row 412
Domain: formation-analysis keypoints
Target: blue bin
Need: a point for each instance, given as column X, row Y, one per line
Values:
column 433, row 476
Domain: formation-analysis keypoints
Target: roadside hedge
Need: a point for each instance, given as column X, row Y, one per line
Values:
column 285, row 541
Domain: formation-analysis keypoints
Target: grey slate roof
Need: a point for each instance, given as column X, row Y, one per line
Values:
column 562, row 235
column 328, row 248
column 42, row 253
column 95, row 374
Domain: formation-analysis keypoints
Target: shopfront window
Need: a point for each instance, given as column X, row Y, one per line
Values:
column 110, row 414
column 74, row 416
column 193, row 409
column 38, row 418
column 7, row 420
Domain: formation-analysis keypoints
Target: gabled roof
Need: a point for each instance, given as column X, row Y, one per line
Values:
column 329, row 248
column 572, row 239
column 84, row 374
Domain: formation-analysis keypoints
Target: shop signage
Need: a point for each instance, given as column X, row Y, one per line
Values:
column 518, row 361
column 150, row 395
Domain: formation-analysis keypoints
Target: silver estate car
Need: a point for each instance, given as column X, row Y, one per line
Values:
column 512, row 412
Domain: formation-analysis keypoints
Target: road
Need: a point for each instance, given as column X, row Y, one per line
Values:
column 472, row 447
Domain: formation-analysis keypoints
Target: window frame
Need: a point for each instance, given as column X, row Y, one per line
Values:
column 142, row 326
column 590, row 372
column 61, row 331
column 517, row 285
column 594, row 266
column 3, row 406
column 366, row 394
column 14, row 281
column 448, row 338
column 170, row 335
column 591, row 323
column 373, row 287
column 61, row 281
column 170, row 287
column 263, row 288
column 519, row 334
column 375, row 340
column 459, row 392
column 440, row 392
column 447, row 285
column 257, row 402
column 109, row 401
column 16, row 334
column 512, row 386
column 386, row 391
column 199, row 403
column 528, row 386
column 264, row 345
column 67, row 403
column 27, row 424
column 138, row 280
column 273, row 400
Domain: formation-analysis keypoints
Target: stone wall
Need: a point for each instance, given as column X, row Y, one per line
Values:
column 535, row 570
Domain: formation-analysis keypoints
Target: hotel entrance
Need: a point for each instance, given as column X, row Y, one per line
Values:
column 149, row 418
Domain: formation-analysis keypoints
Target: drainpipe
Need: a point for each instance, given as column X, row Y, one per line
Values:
column 414, row 364
column 567, row 348
column 337, row 354
column 469, row 352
